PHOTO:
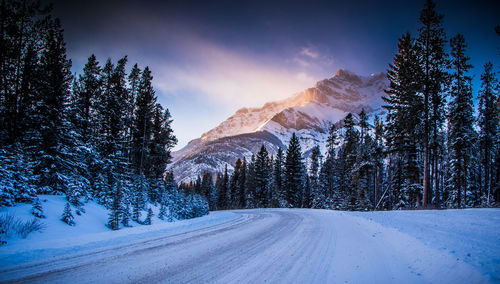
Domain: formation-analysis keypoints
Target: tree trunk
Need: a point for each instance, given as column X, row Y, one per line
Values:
column 436, row 180
column 426, row 174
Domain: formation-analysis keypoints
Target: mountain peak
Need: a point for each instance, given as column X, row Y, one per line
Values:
column 344, row 73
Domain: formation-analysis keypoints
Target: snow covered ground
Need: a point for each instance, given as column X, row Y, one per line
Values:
column 274, row 245
column 471, row 235
column 89, row 232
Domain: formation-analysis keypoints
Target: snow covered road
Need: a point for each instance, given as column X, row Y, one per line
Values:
column 255, row 246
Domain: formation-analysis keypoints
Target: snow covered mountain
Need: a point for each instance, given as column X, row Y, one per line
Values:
column 308, row 114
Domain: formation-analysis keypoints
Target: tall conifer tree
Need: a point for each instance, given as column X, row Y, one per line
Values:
column 434, row 61
column 461, row 118
column 488, row 124
column 261, row 178
column 143, row 125
column 405, row 106
column 52, row 121
column 294, row 174
column 277, row 185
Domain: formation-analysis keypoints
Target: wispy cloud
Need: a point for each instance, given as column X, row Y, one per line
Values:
column 309, row 52
column 314, row 60
column 230, row 78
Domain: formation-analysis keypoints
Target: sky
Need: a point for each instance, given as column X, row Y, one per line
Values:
column 210, row 58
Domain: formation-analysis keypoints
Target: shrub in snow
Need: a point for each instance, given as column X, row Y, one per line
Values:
column 7, row 223
column 67, row 216
column 190, row 206
column 2, row 242
column 200, row 206
column 37, row 209
column 10, row 225
column 148, row 217
column 23, row 229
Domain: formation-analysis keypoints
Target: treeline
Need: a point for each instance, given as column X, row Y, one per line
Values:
column 100, row 135
column 349, row 177
column 431, row 151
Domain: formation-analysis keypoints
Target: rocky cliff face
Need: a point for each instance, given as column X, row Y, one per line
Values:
column 308, row 114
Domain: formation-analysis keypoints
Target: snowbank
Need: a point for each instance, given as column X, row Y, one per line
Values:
column 90, row 230
column 470, row 235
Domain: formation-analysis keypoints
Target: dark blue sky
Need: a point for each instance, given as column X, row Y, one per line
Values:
column 210, row 58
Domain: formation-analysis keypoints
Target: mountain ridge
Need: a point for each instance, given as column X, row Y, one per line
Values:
column 308, row 113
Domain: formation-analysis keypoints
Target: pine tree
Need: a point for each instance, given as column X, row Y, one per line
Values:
column 404, row 119
column 53, row 94
column 116, row 209
column 196, row 188
column 125, row 220
column 261, row 174
column 110, row 138
column 250, row 184
column 332, row 140
column 328, row 195
column 163, row 211
column 23, row 125
column 206, row 185
column 143, row 125
column 363, row 125
column 242, row 182
column 17, row 181
column 461, row 120
column 363, row 168
column 379, row 156
column 351, row 140
column 347, row 159
column 222, row 202
column 22, row 38
column 67, row 216
column 294, row 175
column 138, row 198
column 315, row 162
column 133, row 86
column 488, row 124
column 149, row 217
column 269, row 174
column 234, row 187
column 161, row 144
column 431, row 41
column 37, row 209
column 306, row 199
column 277, row 186
column 111, row 110
column 214, row 197
column 171, row 196
column 84, row 98
column 316, row 195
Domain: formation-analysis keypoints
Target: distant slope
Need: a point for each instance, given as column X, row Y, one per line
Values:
column 308, row 113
